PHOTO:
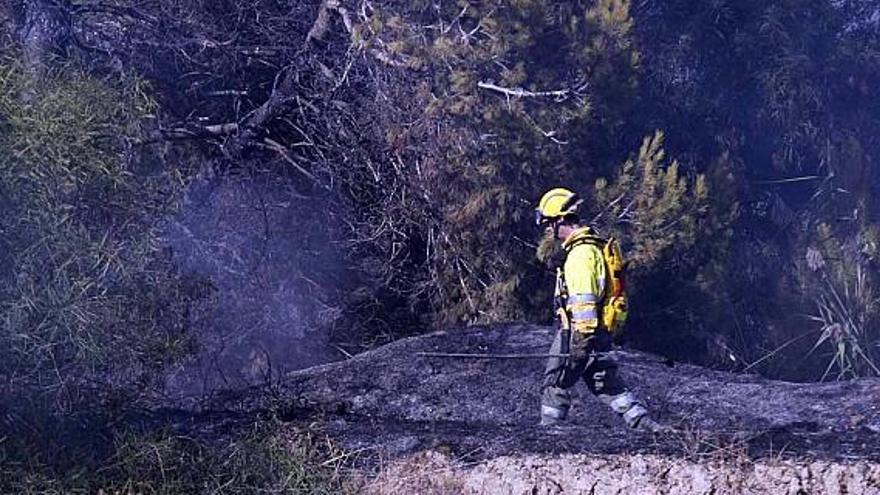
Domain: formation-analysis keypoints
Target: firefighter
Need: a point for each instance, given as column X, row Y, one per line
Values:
column 581, row 293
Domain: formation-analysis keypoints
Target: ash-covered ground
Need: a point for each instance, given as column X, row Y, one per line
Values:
column 391, row 403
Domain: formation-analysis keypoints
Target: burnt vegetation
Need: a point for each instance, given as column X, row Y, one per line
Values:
column 730, row 145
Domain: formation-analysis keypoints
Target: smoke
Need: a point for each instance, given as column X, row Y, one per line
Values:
column 269, row 262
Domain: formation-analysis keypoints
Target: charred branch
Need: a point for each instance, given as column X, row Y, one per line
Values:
column 284, row 152
column 190, row 132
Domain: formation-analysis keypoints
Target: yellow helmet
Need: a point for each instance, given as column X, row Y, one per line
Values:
column 556, row 203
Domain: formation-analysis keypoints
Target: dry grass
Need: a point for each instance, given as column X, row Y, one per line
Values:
column 268, row 458
column 845, row 315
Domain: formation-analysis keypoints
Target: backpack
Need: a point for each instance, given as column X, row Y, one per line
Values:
column 614, row 308
column 614, row 304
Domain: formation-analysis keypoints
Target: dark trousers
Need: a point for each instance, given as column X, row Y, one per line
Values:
column 590, row 362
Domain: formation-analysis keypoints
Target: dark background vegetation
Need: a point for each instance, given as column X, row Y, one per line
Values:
column 401, row 145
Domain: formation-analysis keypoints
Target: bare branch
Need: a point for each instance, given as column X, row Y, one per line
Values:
column 284, row 152
column 387, row 59
column 322, row 22
column 560, row 94
column 190, row 132
column 222, row 129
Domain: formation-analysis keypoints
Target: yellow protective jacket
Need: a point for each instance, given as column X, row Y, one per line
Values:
column 584, row 278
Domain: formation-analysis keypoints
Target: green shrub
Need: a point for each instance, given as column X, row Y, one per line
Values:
column 269, row 458
column 840, row 280
column 89, row 306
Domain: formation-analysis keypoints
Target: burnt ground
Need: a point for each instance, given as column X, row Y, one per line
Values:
column 390, row 403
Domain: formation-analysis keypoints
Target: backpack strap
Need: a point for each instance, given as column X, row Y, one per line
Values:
column 601, row 244
column 592, row 240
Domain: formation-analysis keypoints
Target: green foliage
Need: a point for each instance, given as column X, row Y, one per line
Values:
column 782, row 89
column 676, row 243
column 503, row 115
column 437, row 125
column 89, row 299
column 267, row 459
column 848, row 309
column 651, row 207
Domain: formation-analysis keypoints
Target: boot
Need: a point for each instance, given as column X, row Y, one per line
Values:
column 648, row 424
column 549, row 421
column 552, row 416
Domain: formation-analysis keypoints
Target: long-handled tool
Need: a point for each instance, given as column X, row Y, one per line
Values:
column 489, row 356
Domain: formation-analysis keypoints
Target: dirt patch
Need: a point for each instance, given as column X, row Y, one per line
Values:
column 434, row 473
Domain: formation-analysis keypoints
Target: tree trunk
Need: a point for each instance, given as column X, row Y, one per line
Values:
column 42, row 31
